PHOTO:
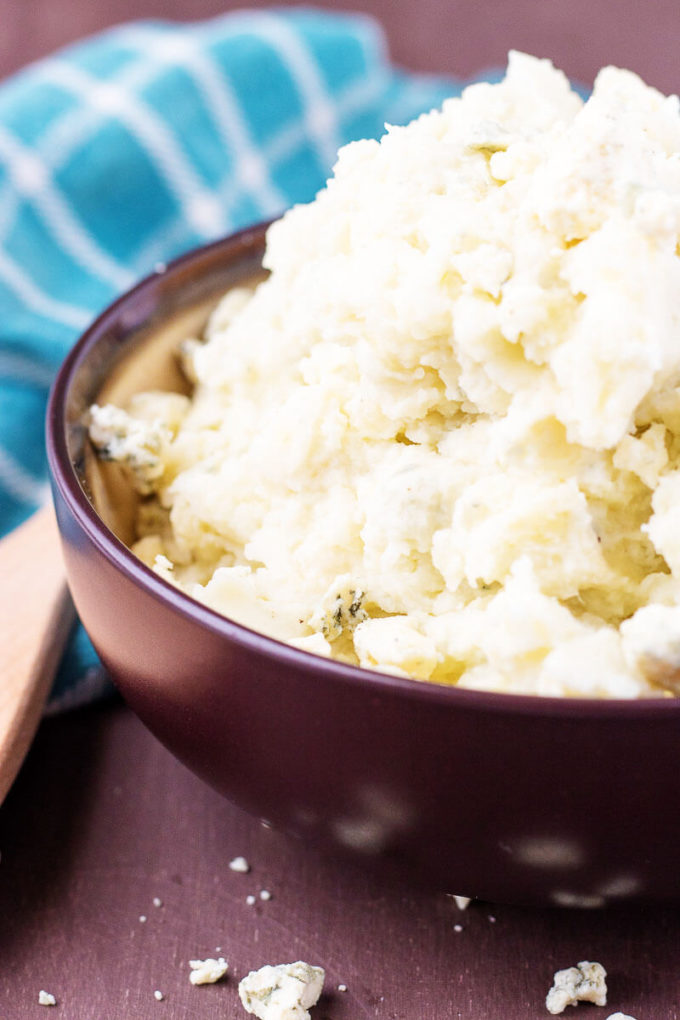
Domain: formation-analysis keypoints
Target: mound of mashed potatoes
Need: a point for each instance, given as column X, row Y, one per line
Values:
column 442, row 439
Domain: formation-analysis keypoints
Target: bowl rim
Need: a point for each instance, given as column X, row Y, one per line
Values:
column 65, row 479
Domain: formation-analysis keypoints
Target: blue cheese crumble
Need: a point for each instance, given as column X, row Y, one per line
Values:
column 586, row 982
column 207, row 972
column 285, row 992
column 138, row 439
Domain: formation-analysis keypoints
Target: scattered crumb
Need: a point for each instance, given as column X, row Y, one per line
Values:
column 46, row 999
column 158, row 996
column 157, row 902
column 265, row 894
column 492, row 919
column 207, row 972
column 240, row 864
column 284, row 992
column 342, row 988
column 620, row 1016
column 250, row 900
column 142, row 918
column 583, row 983
column 458, row 927
column 463, row 902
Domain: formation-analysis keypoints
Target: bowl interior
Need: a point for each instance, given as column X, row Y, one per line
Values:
column 135, row 347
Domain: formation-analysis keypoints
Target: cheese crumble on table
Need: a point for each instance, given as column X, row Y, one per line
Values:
column 240, row 865
column 586, row 982
column 442, row 438
column 286, row 991
column 207, row 972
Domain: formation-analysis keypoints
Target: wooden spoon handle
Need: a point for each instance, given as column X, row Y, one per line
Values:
column 36, row 615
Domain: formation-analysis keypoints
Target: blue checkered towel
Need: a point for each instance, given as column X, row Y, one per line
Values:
column 138, row 144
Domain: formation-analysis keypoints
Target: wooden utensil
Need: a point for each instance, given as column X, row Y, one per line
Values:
column 36, row 615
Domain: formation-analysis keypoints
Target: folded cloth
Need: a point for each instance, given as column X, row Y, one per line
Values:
column 142, row 142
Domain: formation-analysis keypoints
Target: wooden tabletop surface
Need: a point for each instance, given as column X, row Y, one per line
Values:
column 459, row 36
column 103, row 822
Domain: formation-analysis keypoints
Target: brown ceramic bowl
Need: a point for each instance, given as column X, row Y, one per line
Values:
column 508, row 798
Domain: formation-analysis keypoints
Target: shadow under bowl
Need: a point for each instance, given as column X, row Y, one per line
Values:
column 507, row 798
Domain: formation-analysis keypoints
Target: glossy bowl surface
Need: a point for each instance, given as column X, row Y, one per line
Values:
column 507, row 798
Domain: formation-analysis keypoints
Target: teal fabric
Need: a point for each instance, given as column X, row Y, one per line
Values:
column 147, row 140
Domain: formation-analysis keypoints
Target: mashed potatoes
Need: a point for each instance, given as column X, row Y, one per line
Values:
column 442, row 439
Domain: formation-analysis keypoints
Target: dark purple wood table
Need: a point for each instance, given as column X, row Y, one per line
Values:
column 459, row 36
column 103, row 821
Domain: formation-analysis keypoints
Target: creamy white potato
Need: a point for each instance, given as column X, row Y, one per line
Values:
column 442, row 439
